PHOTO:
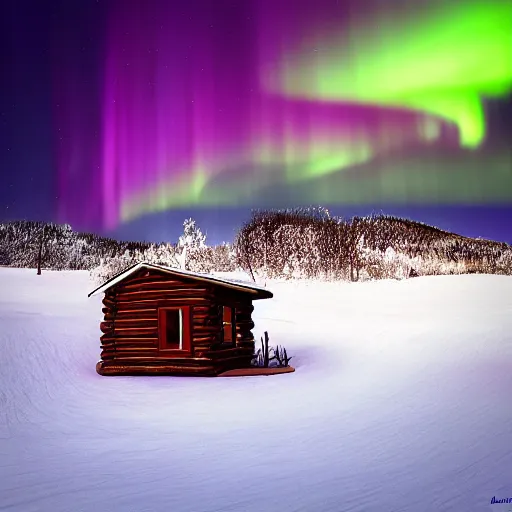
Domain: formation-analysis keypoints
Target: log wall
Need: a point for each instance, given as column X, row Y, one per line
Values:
column 129, row 341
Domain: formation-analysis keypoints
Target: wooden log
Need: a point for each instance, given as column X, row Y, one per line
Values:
column 246, row 343
column 142, row 278
column 124, row 301
column 143, row 275
column 205, row 316
column 117, row 318
column 150, row 313
column 135, row 322
column 203, row 336
column 106, row 327
column 172, row 293
column 138, row 343
column 241, row 341
column 127, row 310
column 208, row 322
column 162, row 302
column 108, row 303
column 248, row 346
column 150, row 359
column 200, row 353
column 198, row 340
column 107, row 339
column 246, row 337
column 115, row 368
column 204, row 329
column 135, row 331
column 197, row 326
column 203, row 345
column 158, row 303
column 151, row 283
column 136, row 350
column 205, row 309
column 162, row 278
column 132, row 328
column 126, row 357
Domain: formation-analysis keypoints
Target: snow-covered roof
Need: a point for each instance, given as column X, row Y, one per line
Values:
column 257, row 291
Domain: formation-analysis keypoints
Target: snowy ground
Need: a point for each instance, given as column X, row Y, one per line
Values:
column 401, row 402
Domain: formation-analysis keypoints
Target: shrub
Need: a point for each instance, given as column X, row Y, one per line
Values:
column 268, row 357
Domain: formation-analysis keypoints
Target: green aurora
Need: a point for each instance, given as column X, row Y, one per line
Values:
column 440, row 59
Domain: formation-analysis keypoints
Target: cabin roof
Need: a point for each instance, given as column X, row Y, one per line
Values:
column 256, row 292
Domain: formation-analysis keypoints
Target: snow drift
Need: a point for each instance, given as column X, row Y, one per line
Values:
column 400, row 401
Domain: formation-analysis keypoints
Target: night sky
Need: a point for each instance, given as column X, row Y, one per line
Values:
column 124, row 118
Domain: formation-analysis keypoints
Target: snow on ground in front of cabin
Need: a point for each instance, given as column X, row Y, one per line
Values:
column 400, row 402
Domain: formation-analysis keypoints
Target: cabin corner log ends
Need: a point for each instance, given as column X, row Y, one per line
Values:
column 210, row 325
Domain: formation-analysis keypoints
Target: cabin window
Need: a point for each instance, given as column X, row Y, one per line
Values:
column 174, row 329
column 229, row 325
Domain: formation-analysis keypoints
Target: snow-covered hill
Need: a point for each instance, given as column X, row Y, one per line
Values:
column 401, row 402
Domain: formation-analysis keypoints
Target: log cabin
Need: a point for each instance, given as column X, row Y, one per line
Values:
column 162, row 320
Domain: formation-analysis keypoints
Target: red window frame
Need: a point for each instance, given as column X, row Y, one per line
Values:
column 186, row 335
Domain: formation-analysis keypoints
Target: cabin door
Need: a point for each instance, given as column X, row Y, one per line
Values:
column 229, row 325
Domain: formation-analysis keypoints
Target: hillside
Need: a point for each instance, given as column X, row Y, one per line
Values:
column 400, row 401
column 312, row 244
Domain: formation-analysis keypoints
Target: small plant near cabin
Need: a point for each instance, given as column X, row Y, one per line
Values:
column 282, row 357
column 268, row 357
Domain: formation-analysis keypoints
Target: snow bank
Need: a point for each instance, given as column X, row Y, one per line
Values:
column 400, row 401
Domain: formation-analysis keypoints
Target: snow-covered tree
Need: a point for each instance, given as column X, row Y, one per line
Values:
column 161, row 254
column 192, row 236
column 110, row 267
column 194, row 252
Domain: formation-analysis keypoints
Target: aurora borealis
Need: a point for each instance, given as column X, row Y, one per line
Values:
column 270, row 102
column 439, row 58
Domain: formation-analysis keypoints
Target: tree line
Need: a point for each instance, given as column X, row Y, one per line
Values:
column 310, row 243
column 303, row 243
